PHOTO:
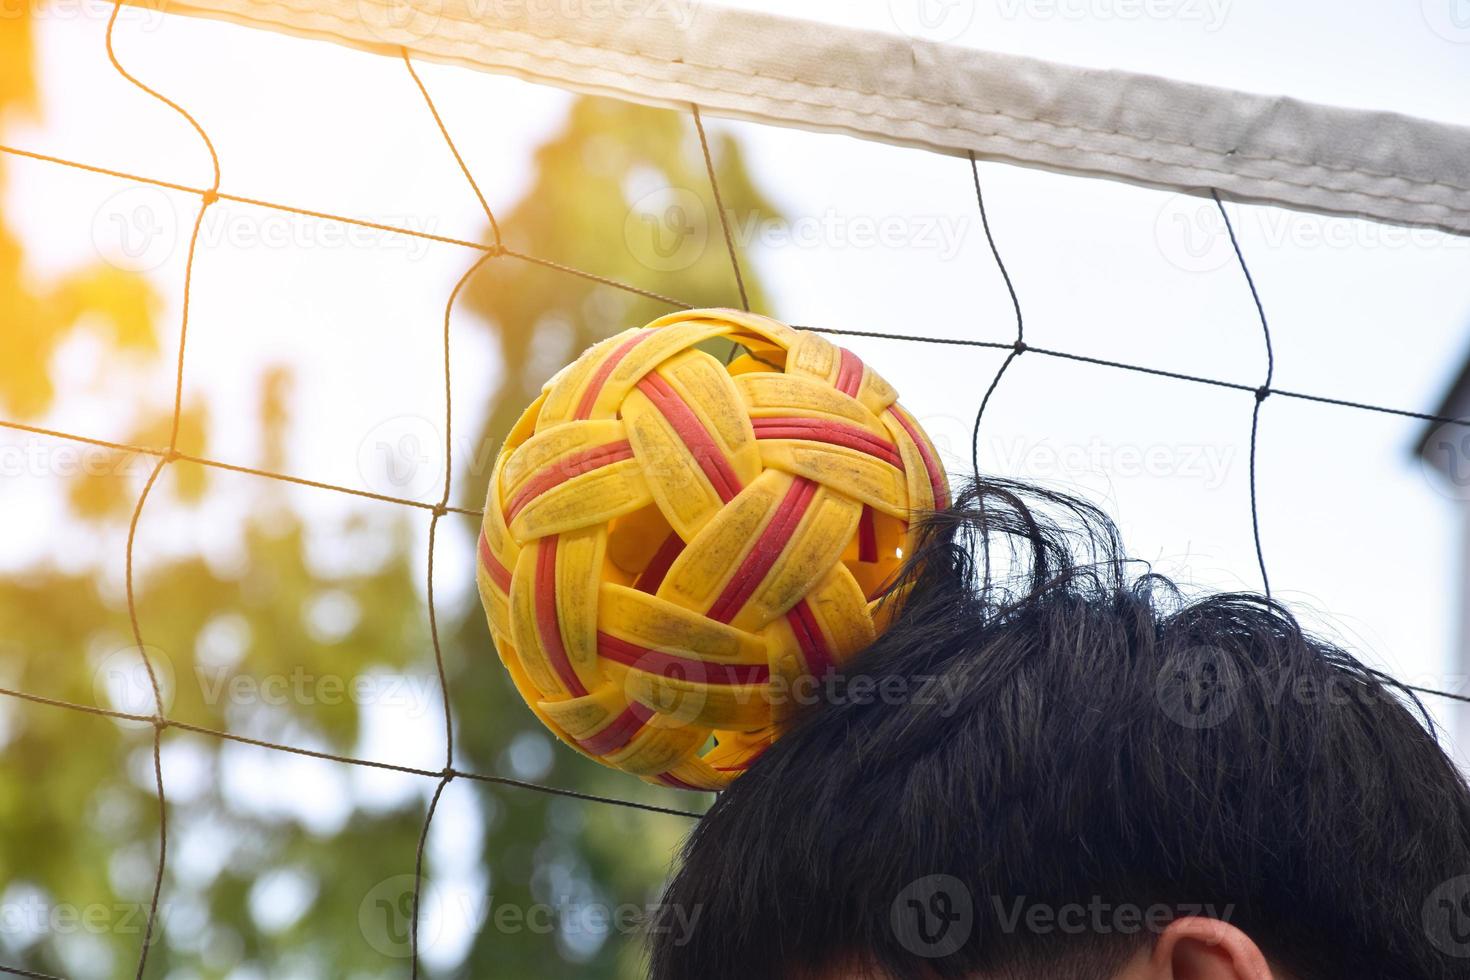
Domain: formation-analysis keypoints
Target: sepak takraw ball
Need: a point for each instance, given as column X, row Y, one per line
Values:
column 674, row 551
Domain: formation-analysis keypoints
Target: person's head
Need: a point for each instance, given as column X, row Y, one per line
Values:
column 1047, row 769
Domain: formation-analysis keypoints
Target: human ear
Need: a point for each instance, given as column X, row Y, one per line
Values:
column 1197, row 948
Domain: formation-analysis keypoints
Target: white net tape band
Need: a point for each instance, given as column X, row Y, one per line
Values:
column 1137, row 128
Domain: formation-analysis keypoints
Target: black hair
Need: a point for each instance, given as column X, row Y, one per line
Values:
column 1048, row 756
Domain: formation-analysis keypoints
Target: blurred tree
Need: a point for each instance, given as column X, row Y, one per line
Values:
column 257, row 885
column 76, row 791
column 37, row 317
column 622, row 192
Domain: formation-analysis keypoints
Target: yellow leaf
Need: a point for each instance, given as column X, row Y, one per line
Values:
column 122, row 300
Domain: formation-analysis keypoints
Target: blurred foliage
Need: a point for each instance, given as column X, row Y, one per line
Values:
column 35, row 318
column 256, row 885
column 622, row 192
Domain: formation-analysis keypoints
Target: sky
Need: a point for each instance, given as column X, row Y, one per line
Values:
column 1358, row 537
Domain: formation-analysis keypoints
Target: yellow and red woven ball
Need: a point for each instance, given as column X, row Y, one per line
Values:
column 670, row 544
